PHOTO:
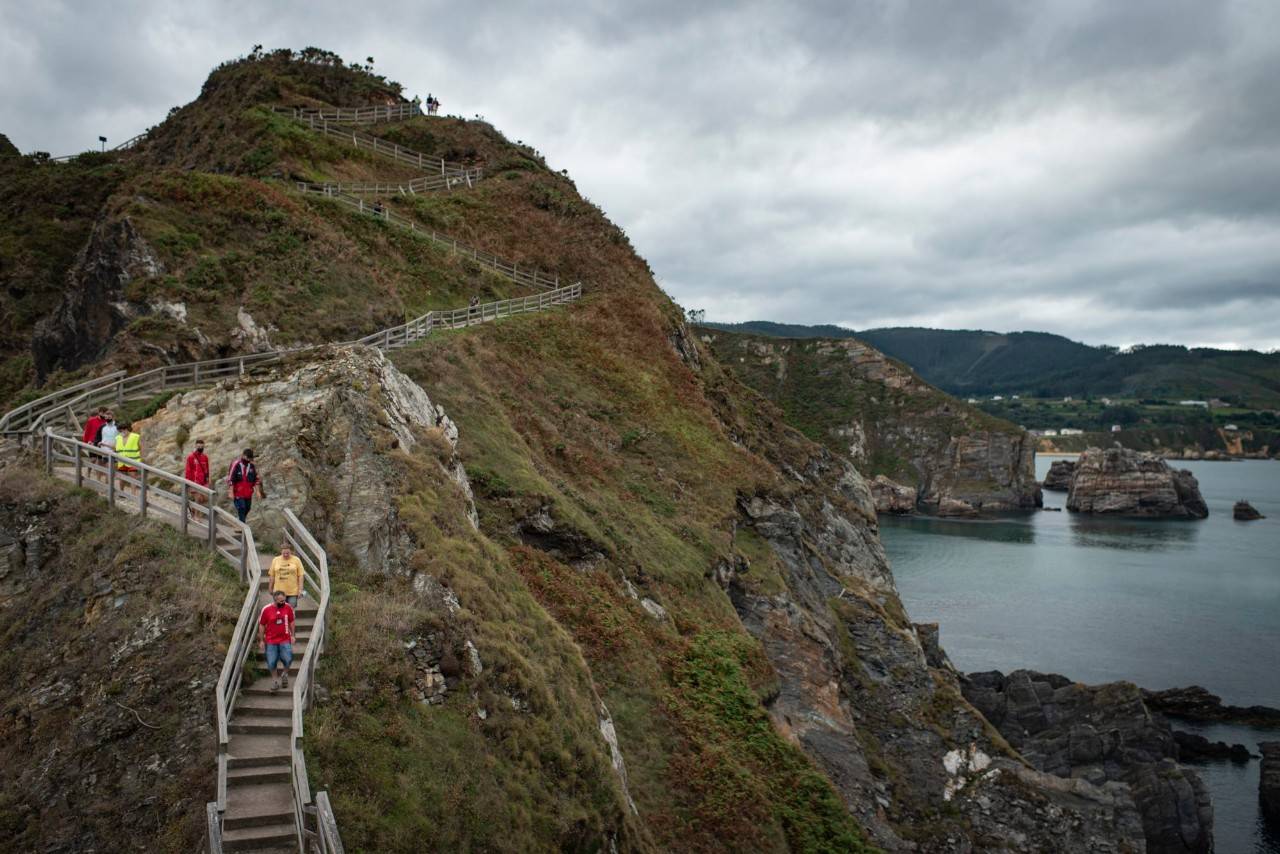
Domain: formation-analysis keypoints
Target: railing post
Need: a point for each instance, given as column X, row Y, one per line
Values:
column 79, row 471
column 111, row 481
column 242, row 366
column 48, row 454
column 142, row 492
column 195, row 373
column 244, row 556
column 186, row 509
column 213, row 524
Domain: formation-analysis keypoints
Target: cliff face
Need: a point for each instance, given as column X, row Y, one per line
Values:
column 1131, row 483
column 858, row 402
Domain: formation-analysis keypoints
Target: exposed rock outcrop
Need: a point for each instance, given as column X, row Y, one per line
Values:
column 893, row 498
column 1117, row 481
column 94, row 306
column 1195, row 703
column 1269, row 782
column 1100, row 733
column 1243, row 511
column 1196, row 748
column 7, row 148
column 876, row 411
column 319, row 430
column 1059, row 477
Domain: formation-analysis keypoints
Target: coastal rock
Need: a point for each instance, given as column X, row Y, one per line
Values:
column 984, row 471
column 1196, row 748
column 1059, row 477
column 1100, row 733
column 1121, row 482
column 892, row 498
column 1243, row 511
column 1269, row 782
column 1195, row 703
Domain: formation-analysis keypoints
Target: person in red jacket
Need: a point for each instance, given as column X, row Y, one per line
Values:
column 197, row 472
column 242, row 480
column 275, row 639
column 93, row 435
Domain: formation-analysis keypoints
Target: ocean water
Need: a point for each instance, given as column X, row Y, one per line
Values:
column 1158, row 603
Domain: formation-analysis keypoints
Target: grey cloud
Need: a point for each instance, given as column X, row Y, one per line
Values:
column 1108, row 171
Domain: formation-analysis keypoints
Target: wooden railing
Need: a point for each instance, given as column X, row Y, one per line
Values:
column 324, row 835
column 354, row 115
column 420, row 327
column 527, row 276
column 427, row 183
column 132, row 142
column 399, row 153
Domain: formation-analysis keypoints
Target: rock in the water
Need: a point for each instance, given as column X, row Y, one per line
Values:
column 892, row 497
column 1059, row 477
column 1269, row 784
column 1197, row 748
column 1121, row 482
column 1198, row 704
column 1100, row 733
column 1245, row 512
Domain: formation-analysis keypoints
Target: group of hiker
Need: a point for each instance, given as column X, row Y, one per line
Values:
column 276, row 621
column 432, row 104
column 243, row 479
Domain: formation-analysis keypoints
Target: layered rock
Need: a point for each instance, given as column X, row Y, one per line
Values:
column 1195, row 703
column 1101, row 733
column 1196, row 748
column 320, row 430
column 1059, row 477
column 1121, row 482
column 1243, row 511
column 892, row 498
column 877, row 412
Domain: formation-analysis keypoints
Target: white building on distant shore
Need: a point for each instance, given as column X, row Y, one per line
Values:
column 1201, row 403
column 1070, row 431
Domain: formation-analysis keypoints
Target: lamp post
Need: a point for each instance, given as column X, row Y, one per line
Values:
column 103, row 140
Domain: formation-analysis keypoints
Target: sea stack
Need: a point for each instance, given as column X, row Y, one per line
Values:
column 1121, row 482
column 891, row 497
column 1059, row 477
column 1245, row 512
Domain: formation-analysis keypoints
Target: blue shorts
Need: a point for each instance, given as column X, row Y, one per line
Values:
column 281, row 653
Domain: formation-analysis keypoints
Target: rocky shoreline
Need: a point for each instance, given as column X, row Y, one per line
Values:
column 1119, row 482
column 1198, row 704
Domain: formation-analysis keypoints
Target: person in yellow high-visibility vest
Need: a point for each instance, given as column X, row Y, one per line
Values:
column 128, row 449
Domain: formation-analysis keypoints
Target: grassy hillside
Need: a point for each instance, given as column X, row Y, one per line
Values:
column 974, row 362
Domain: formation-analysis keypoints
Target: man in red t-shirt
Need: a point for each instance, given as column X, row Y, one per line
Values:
column 93, row 435
column 275, row 639
column 197, row 472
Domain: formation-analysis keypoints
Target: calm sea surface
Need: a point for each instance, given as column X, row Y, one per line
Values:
column 1158, row 603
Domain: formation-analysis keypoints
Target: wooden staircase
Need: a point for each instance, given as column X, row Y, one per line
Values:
column 260, row 810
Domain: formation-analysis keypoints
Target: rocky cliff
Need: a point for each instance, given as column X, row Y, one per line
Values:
column 1101, row 733
column 1059, row 477
column 1121, row 482
column 858, row 402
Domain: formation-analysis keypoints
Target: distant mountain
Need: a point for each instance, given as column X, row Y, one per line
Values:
column 977, row 362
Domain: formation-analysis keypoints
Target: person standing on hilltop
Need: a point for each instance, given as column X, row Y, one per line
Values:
column 242, row 480
column 197, row 472
column 287, row 575
column 275, row 639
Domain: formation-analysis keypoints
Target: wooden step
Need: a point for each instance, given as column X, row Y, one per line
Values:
column 277, row 705
column 280, row 836
column 260, row 725
column 258, row 806
column 246, row 751
column 250, row 775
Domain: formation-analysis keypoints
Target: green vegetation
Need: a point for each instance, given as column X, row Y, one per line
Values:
column 1038, row 364
column 853, row 400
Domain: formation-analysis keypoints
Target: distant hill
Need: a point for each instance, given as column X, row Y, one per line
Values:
column 977, row 362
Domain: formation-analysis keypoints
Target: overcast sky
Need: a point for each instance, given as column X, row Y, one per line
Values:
column 1105, row 170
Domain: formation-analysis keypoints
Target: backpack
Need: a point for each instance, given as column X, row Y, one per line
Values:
column 242, row 471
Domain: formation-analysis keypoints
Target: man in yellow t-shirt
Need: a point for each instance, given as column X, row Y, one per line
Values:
column 286, row 575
